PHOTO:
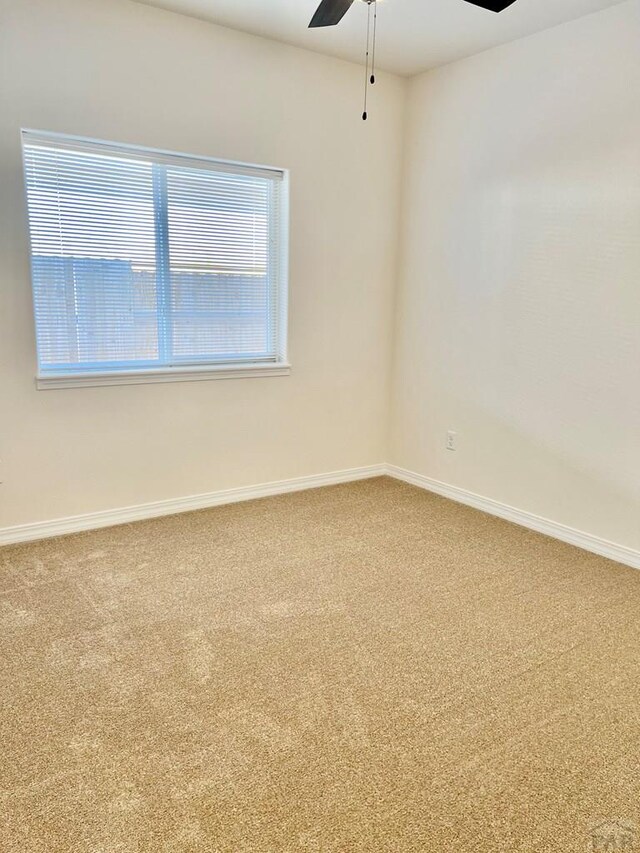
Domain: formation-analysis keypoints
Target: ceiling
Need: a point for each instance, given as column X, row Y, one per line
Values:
column 413, row 35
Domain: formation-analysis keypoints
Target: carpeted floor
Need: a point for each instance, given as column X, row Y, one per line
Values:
column 364, row 667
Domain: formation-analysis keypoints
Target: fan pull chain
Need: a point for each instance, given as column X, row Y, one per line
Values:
column 366, row 60
column 373, row 61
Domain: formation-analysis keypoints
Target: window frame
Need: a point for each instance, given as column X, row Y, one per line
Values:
column 181, row 369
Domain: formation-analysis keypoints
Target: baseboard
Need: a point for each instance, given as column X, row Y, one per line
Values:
column 602, row 547
column 109, row 518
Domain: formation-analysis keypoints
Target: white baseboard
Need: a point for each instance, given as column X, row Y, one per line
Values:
column 108, row 518
column 602, row 547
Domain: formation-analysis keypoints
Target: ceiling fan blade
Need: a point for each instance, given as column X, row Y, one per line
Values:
column 492, row 5
column 330, row 12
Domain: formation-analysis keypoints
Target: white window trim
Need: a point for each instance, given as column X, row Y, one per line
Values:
column 186, row 373
column 153, row 375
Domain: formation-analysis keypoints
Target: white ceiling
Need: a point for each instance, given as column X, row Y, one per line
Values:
column 413, row 35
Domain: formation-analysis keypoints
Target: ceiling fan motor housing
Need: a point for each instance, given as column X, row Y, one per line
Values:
column 492, row 5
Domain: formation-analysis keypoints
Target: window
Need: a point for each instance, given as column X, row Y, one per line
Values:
column 148, row 266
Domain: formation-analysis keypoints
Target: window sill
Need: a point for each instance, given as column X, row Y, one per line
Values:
column 155, row 375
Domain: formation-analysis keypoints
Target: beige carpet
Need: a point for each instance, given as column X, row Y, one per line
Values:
column 359, row 668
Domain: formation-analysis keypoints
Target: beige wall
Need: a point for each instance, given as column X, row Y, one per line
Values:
column 519, row 304
column 121, row 71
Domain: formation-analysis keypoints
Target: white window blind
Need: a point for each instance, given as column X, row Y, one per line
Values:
column 145, row 261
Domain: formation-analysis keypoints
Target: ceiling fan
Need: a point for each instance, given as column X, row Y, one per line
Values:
column 330, row 12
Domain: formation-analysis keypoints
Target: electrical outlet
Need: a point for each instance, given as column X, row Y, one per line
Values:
column 452, row 440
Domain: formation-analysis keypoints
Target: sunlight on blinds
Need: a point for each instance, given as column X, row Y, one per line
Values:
column 142, row 259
